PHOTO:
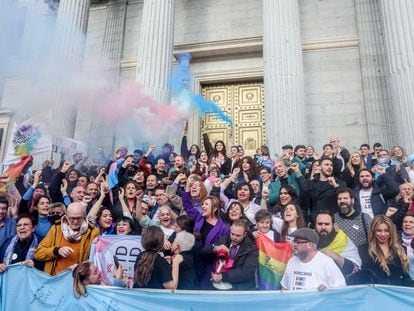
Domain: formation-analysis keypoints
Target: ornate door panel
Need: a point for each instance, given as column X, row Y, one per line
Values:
column 244, row 104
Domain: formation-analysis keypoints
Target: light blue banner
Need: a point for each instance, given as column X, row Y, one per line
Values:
column 24, row 288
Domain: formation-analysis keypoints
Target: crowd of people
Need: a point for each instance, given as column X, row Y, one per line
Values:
column 348, row 217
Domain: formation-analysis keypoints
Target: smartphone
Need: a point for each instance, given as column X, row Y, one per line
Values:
column 116, row 261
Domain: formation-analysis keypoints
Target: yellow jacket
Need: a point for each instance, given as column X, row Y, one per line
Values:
column 46, row 249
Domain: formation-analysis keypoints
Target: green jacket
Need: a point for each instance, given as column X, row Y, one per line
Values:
column 275, row 186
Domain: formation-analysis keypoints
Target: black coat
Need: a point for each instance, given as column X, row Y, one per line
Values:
column 383, row 190
column 372, row 273
column 321, row 195
column 242, row 275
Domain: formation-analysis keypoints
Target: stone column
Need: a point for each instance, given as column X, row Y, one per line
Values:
column 101, row 133
column 373, row 67
column 70, row 32
column 7, row 8
column 40, row 19
column 114, row 37
column 155, row 51
column 398, row 28
column 283, row 74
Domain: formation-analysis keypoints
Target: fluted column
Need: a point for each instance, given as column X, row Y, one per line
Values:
column 373, row 66
column 155, row 51
column 7, row 8
column 39, row 20
column 101, row 133
column 397, row 23
column 283, row 74
column 71, row 25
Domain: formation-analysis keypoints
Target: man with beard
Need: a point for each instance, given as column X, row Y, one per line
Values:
column 310, row 268
column 127, row 170
column 334, row 243
column 354, row 223
column 371, row 198
column 321, row 193
column 179, row 163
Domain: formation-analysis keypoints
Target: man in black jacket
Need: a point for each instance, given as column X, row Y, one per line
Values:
column 321, row 192
column 242, row 249
column 372, row 197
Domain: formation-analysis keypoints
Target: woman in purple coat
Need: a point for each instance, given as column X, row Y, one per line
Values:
column 209, row 227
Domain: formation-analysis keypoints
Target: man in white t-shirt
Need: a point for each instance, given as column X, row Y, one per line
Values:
column 309, row 268
column 371, row 197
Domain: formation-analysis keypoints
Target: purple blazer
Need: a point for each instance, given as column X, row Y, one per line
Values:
column 219, row 230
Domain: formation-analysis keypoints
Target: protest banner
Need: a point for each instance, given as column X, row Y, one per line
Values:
column 126, row 248
column 24, row 288
column 65, row 147
column 30, row 137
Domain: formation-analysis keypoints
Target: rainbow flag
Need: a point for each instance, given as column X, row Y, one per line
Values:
column 16, row 170
column 273, row 258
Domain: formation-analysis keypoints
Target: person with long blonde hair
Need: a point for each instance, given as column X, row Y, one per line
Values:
column 398, row 155
column 387, row 261
column 351, row 171
column 86, row 273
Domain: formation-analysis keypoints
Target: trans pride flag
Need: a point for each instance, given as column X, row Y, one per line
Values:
column 273, row 258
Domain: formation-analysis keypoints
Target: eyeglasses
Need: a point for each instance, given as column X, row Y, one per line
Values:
column 23, row 225
column 77, row 219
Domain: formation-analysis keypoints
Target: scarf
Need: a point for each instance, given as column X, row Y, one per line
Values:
column 8, row 258
column 69, row 234
column 406, row 239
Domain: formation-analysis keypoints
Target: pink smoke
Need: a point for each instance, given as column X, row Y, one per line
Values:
column 128, row 101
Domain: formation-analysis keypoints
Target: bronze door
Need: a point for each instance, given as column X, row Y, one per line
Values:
column 244, row 104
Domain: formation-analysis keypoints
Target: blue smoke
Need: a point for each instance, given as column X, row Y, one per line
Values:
column 180, row 90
